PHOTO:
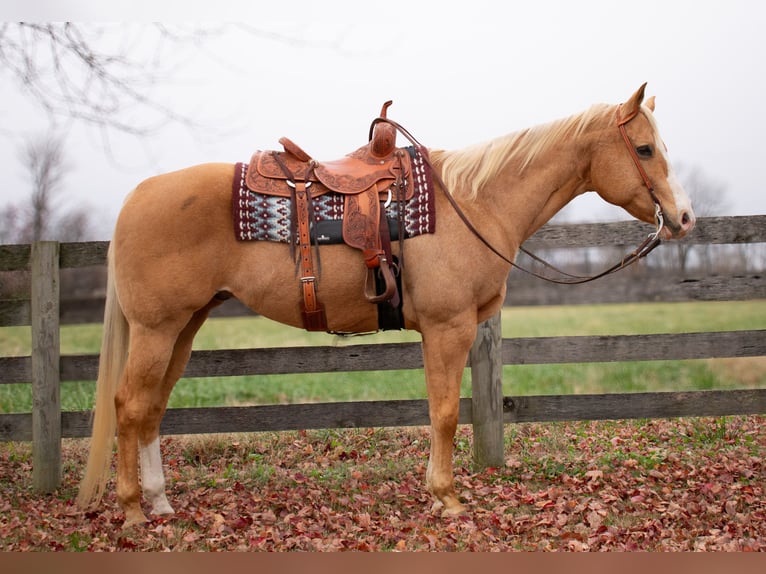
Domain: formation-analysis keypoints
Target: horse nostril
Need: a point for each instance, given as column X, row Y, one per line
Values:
column 686, row 220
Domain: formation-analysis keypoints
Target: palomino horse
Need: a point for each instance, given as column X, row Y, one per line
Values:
column 174, row 253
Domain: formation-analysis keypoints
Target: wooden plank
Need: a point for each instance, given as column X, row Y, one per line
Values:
column 618, row 288
column 15, row 370
column 72, row 255
column 79, row 367
column 16, row 427
column 630, row 288
column 519, row 351
column 485, row 359
column 673, row 346
column 91, row 310
column 714, row 230
column 729, row 229
column 634, row 406
column 14, row 257
column 524, row 409
column 83, row 254
column 715, row 288
column 301, row 416
column 46, row 401
column 274, row 417
column 323, row 359
column 15, row 312
column 82, row 311
column 397, row 413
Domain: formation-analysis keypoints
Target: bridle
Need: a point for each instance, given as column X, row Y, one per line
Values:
column 648, row 245
column 621, row 123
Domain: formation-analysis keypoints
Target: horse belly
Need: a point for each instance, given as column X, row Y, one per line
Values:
column 267, row 282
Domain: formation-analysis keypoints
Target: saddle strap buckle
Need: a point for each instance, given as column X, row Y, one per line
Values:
column 373, row 258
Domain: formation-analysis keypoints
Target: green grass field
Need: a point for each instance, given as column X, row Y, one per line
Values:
column 249, row 332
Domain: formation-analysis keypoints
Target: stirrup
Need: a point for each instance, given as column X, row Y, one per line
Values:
column 390, row 293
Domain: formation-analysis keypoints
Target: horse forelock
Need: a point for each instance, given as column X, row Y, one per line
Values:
column 466, row 171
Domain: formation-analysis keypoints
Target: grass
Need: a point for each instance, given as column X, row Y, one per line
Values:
column 518, row 379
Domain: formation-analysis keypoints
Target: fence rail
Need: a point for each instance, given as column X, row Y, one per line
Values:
column 487, row 409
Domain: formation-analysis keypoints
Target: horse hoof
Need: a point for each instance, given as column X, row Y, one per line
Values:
column 452, row 511
column 163, row 508
column 133, row 520
column 437, row 506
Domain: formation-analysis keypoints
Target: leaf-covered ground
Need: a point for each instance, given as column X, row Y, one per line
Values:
column 691, row 484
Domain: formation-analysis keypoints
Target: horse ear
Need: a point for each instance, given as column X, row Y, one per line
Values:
column 631, row 106
column 650, row 103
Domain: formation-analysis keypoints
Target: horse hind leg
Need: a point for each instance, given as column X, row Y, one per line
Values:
column 156, row 361
column 135, row 405
column 152, row 475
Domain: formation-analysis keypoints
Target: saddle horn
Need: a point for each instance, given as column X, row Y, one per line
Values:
column 383, row 137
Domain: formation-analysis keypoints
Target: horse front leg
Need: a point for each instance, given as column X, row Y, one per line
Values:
column 445, row 351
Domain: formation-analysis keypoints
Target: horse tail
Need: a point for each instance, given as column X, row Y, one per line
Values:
column 114, row 350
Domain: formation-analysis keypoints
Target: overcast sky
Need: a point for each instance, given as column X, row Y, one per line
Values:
column 458, row 72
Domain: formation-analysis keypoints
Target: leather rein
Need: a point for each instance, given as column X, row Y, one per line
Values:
column 652, row 240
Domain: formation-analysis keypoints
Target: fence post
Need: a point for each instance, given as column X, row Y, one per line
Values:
column 46, row 398
column 486, row 362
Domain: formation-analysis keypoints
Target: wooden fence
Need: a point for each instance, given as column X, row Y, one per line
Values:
column 487, row 409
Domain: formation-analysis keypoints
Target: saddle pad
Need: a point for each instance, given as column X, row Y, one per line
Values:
column 259, row 217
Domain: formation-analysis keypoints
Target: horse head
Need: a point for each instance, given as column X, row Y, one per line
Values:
column 643, row 181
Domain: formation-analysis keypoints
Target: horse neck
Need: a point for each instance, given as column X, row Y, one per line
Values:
column 529, row 197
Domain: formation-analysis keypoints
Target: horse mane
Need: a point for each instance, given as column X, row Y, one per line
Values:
column 479, row 163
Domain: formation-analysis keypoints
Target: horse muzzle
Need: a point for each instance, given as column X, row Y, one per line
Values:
column 679, row 226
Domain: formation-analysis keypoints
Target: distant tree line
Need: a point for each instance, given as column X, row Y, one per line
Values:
column 44, row 214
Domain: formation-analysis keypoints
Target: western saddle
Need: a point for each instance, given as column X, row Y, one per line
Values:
column 369, row 179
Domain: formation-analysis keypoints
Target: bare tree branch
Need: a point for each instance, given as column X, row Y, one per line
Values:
column 97, row 73
column 44, row 158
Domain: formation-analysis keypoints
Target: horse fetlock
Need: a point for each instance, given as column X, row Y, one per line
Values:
column 440, row 484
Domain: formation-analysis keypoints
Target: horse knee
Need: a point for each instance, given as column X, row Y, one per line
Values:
column 444, row 421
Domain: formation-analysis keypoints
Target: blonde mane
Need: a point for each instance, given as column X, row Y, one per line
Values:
column 470, row 168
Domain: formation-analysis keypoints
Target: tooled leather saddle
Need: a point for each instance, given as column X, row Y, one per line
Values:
column 368, row 179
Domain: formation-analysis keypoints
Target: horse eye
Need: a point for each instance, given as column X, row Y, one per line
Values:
column 645, row 151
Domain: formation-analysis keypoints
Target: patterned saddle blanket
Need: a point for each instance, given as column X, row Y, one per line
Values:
column 261, row 217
